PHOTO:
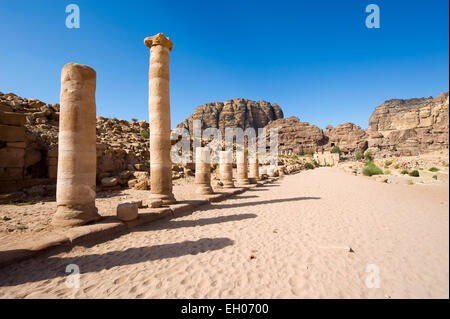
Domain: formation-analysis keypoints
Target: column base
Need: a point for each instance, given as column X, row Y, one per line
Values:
column 71, row 216
column 166, row 199
column 203, row 190
column 228, row 184
column 243, row 181
column 253, row 180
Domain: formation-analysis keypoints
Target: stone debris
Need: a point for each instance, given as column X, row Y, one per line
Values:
column 127, row 211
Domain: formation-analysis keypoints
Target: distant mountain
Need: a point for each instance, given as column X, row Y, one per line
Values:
column 234, row 113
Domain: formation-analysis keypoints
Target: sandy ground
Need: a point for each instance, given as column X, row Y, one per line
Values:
column 285, row 240
column 36, row 214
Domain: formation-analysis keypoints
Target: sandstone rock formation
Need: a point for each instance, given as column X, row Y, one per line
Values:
column 349, row 137
column 234, row 113
column 409, row 127
column 297, row 137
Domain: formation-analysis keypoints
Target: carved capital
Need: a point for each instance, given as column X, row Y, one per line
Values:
column 159, row 39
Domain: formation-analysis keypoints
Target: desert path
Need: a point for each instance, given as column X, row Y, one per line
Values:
column 284, row 240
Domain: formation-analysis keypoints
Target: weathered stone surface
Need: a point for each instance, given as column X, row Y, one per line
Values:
column 127, row 211
column 234, row 113
column 12, row 157
column 155, row 203
column 203, row 171
column 11, row 118
column 226, row 169
column 142, row 185
column 297, row 137
column 110, row 181
column 75, row 196
column 12, row 133
column 326, row 158
column 159, row 111
column 349, row 137
column 409, row 127
column 242, row 167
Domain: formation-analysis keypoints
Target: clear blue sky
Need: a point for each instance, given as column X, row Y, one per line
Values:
column 316, row 59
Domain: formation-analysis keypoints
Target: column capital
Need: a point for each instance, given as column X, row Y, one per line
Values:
column 159, row 39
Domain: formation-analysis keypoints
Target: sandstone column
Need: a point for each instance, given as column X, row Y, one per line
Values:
column 242, row 167
column 75, row 190
column 226, row 169
column 254, row 170
column 159, row 110
column 202, row 171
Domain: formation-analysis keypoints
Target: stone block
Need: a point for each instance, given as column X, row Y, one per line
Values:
column 11, row 118
column 127, row 211
column 12, row 157
column 12, row 133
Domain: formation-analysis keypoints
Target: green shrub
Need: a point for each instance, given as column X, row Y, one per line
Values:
column 404, row 172
column 145, row 133
column 115, row 119
column 294, row 156
column 359, row 155
column 397, row 166
column 371, row 169
column 387, row 164
column 315, row 163
column 336, row 149
column 134, row 120
column 310, row 153
column 387, row 172
column 414, row 173
column 309, row 166
column 368, row 156
column 435, row 177
column 434, row 169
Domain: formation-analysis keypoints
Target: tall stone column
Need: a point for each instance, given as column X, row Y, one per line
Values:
column 226, row 169
column 242, row 167
column 202, row 171
column 77, row 158
column 159, row 110
column 254, row 170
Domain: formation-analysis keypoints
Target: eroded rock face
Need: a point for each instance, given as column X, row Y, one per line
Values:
column 297, row 137
column 234, row 113
column 409, row 127
column 348, row 137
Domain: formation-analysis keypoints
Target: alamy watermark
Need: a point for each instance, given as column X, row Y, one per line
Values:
column 373, row 19
column 373, row 278
column 73, row 19
column 73, row 280
column 235, row 139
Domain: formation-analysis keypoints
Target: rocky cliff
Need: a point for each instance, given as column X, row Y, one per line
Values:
column 409, row 127
column 234, row 113
column 297, row 137
column 349, row 137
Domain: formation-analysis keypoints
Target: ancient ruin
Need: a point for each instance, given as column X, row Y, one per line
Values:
column 75, row 191
column 203, row 171
column 253, row 174
column 242, row 167
column 326, row 158
column 159, row 110
column 226, row 169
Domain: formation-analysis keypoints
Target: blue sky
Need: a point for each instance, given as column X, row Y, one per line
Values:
column 316, row 59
